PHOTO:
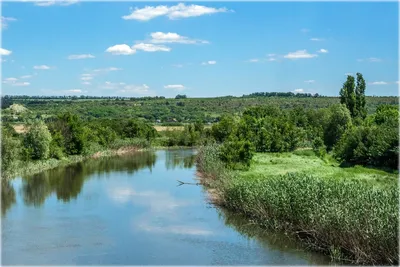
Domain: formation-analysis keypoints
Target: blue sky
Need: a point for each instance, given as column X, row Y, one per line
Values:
column 197, row 48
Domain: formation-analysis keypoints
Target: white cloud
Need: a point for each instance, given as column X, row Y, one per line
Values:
column 58, row 2
column 272, row 59
column 176, row 87
column 310, row 81
column 177, row 65
column 10, row 80
column 300, row 90
column 371, row 59
column 323, row 51
column 253, row 60
column 171, row 37
column 86, row 83
column 299, row 54
column 135, row 89
column 26, row 76
column 317, row 39
column 5, row 20
column 86, row 78
column 151, row 47
column 210, row 62
column 378, row 83
column 14, row 82
column 173, row 12
column 74, row 91
column 121, row 49
column 82, row 56
column 271, row 55
column 121, row 87
column 5, row 52
column 348, row 73
column 107, row 69
column 41, row 67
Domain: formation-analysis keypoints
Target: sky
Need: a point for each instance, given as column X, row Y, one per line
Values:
column 201, row 49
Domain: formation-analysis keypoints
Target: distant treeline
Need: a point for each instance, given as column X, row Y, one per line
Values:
column 281, row 94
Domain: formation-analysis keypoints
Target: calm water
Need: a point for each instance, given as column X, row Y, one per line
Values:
column 128, row 210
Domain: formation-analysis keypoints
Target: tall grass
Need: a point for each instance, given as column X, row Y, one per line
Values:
column 351, row 220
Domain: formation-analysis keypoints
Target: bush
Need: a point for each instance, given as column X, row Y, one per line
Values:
column 38, row 140
column 10, row 152
column 369, row 145
column 237, row 154
column 338, row 122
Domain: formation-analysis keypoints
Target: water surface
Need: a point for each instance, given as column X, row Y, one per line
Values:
column 128, row 210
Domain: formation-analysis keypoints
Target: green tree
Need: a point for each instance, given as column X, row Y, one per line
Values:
column 338, row 122
column 361, row 111
column 38, row 140
column 348, row 95
column 10, row 149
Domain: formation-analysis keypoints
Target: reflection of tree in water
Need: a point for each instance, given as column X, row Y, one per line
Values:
column 269, row 239
column 67, row 182
column 179, row 159
column 7, row 196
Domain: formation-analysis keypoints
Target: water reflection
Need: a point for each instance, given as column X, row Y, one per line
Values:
column 7, row 196
column 179, row 159
column 67, row 182
column 268, row 239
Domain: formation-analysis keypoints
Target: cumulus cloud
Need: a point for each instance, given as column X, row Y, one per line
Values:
column 15, row 82
column 299, row 54
column 74, row 91
column 348, row 73
column 121, row 87
column 317, row 39
column 371, row 59
column 175, row 87
column 378, row 83
column 121, row 49
column 41, row 67
column 151, row 47
column 82, row 56
column 299, row 90
column 172, row 12
column 107, row 69
column 210, row 62
column 5, row 52
column 253, row 60
column 171, row 37
column 58, row 2
column 310, row 81
column 5, row 20
column 135, row 89
column 26, row 76
column 324, row 51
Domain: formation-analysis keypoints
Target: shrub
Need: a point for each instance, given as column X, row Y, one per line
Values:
column 38, row 140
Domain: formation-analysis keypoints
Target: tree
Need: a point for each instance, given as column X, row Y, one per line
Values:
column 361, row 111
column 339, row 121
column 9, row 151
column 38, row 140
column 348, row 95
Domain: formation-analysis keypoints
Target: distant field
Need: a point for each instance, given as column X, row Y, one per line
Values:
column 20, row 128
column 165, row 110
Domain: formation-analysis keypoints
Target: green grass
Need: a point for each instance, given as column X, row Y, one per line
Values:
column 350, row 214
column 306, row 162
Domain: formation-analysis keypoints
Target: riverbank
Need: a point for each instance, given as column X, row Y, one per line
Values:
column 350, row 214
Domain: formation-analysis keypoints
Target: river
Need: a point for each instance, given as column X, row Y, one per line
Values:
column 129, row 210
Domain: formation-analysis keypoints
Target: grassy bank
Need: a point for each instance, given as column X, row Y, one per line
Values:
column 118, row 147
column 349, row 213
